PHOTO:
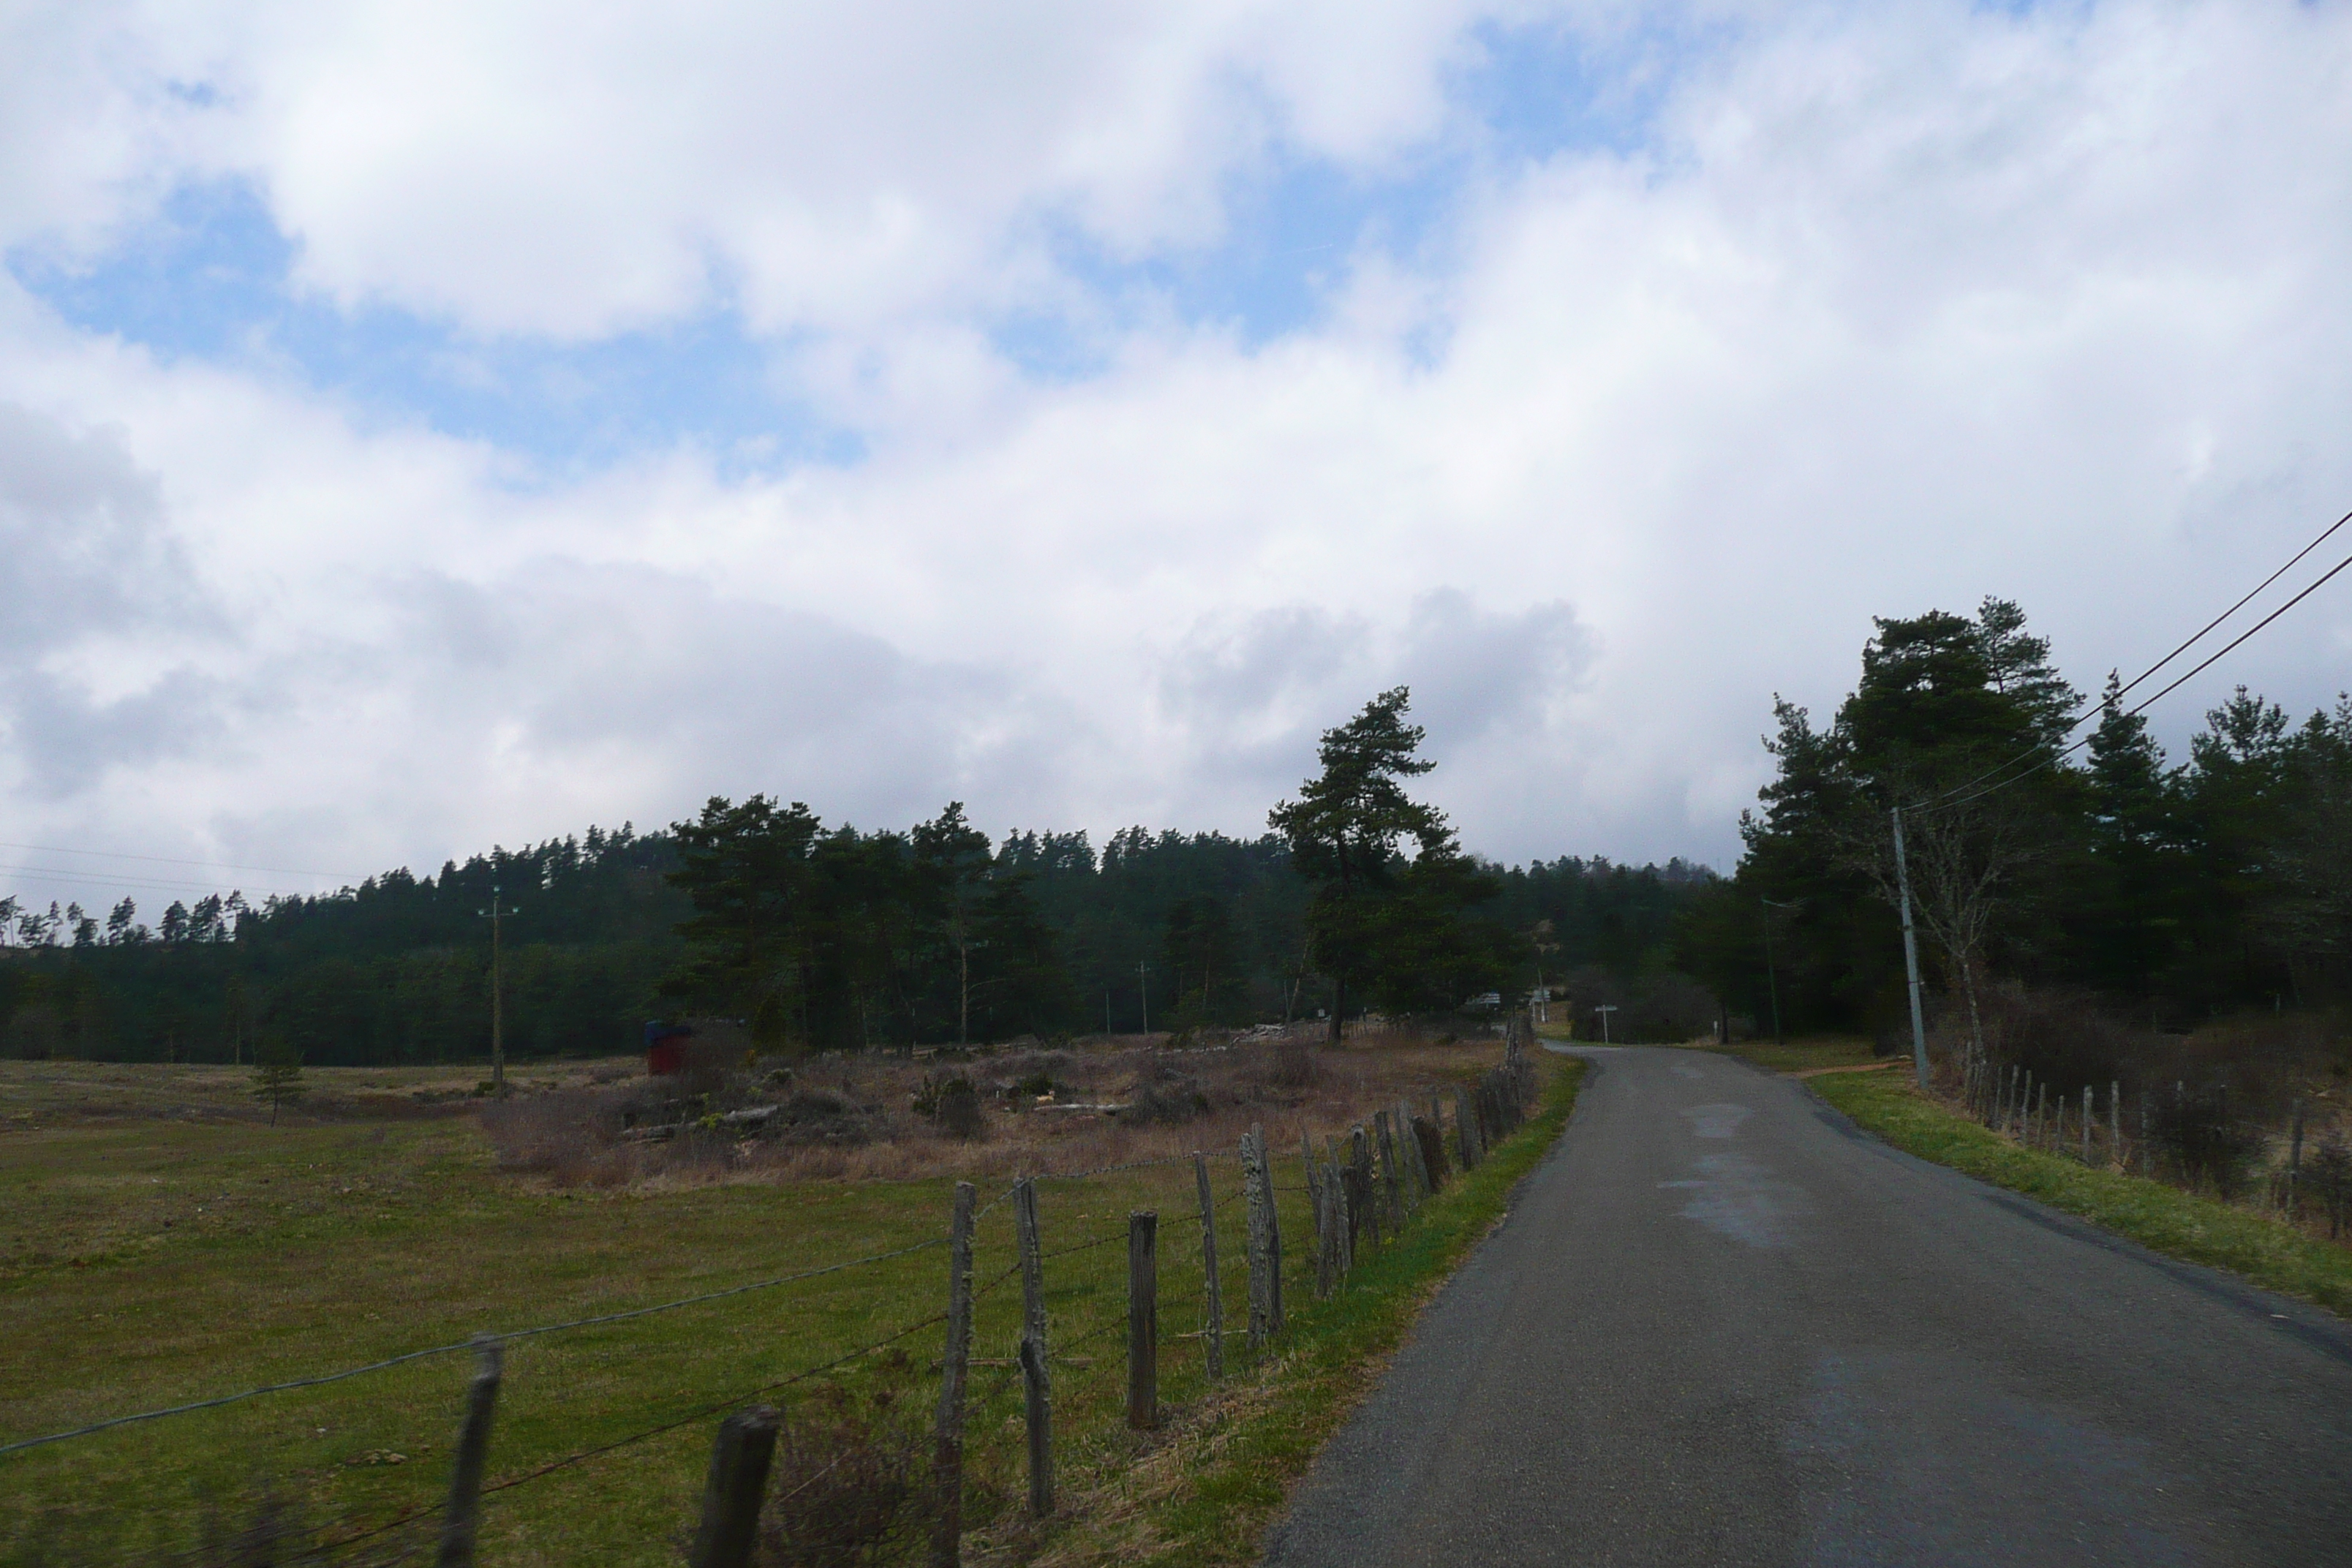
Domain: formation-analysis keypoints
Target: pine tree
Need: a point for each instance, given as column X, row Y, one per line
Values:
column 277, row 1074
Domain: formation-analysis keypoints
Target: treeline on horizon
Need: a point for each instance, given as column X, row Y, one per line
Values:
column 926, row 936
column 2052, row 844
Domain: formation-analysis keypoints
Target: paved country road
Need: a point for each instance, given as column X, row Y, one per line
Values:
column 1723, row 1326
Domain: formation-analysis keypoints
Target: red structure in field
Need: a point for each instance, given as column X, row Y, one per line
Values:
column 665, row 1048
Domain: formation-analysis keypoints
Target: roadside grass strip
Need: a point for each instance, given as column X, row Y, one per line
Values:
column 1204, row 1493
column 2195, row 1229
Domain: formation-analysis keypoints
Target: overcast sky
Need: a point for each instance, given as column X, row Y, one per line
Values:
column 427, row 425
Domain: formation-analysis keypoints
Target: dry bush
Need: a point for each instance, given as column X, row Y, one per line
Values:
column 959, row 1114
column 1166, row 1101
column 847, row 1486
column 1289, row 1063
column 2065, row 1039
column 2204, row 1142
column 871, row 1116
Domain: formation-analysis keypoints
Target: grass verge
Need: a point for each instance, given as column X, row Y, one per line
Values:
column 2163, row 1218
column 1206, row 1493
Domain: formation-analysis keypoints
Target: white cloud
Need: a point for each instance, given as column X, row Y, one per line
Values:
column 1895, row 306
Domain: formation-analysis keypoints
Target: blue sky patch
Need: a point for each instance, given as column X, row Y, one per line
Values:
column 208, row 277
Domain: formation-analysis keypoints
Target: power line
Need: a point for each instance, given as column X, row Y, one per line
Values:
column 2054, row 758
column 168, row 860
column 2325, row 534
column 68, row 877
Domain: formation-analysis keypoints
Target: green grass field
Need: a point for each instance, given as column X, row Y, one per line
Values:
column 2182, row 1224
column 152, row 1262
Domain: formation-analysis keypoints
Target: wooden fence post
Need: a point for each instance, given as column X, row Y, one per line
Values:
column 1273, row 1236
column 1365, row 1192
column 1142, row 1319
column 2086, row 1125
column 1466, row 1134
column 1036, row 1378
column 1319, row 1192
column 1390, row 1184
column 1342, row 1213
column 1316, row 1208
column 1258, row 1198
column 1429, row 1142
column 1209, row 1264
column 1416, row 1173
column 462, row 1518
column 947, row 1455
column 2116, row 1121
column 729, row 1531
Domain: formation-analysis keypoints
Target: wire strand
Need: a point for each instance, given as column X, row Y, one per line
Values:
column 107, row 1425
column 2055, row 758
column 2151, row 671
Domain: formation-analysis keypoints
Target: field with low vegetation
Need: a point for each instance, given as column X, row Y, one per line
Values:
column 163, row 1244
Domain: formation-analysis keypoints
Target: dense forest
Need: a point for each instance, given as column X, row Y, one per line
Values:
column 2050, row 843
column 832, row 936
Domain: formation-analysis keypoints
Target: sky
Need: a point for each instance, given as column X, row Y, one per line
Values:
column 431, row 426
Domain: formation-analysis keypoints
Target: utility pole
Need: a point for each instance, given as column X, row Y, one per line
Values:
column 1910, row 953
column 1771, row 974
column 497, row 994
column 1604, row 1010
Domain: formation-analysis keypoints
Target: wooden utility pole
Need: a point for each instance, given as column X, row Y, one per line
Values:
column 1910, row 954
column 496, row 913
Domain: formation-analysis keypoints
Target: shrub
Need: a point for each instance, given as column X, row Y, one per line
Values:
column 960, row 1115
column 1292, row 1064
column 1165, row 1104
column 847, row 1487
column 2195, row 1132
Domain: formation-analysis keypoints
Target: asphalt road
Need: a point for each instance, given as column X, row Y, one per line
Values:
column 1723, row 1326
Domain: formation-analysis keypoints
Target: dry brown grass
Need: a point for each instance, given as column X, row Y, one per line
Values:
column 865, row 1124
column 53, row 1093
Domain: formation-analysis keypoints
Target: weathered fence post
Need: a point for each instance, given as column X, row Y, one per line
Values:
column 1036, row 1378
column 2295, row 1158
column 946, row 1454
column 1316, row 1208
column 1216, row 1328
column 1465, row 1136
column 1429, row 1141
column 2146, row 1155
column 2116, row 1121
column 1363, row 1195
column 1142, row 1319
column 1416, row 1170
column 1390, row 1186
column 462, row 1518
column 2086, row 1125
column 1257, row 1195
column 738, row 1484
column 1343, row 1210
column 1273, row 1232
column 1327, row 1246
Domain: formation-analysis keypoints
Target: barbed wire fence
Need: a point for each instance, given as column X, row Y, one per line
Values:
column 1360, row 1192
column 2191, row 1136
